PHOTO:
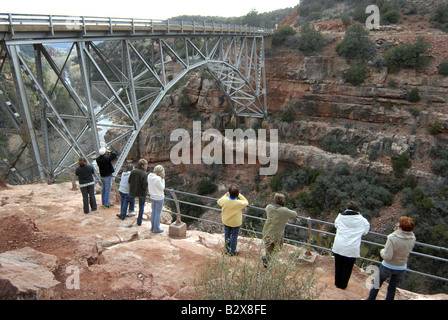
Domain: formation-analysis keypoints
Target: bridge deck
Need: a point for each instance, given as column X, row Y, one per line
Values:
column 14, row 26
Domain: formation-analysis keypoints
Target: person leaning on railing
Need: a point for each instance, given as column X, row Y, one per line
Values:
column 351, row 226
column 274, row 227
column 395, row 255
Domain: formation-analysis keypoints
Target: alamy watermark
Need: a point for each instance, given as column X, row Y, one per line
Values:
column 373, row 281
column 72, row 281
column 232, row 148
column 373, row 21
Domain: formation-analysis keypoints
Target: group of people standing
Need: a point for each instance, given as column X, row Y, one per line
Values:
column 134, row 183
column 350, row 224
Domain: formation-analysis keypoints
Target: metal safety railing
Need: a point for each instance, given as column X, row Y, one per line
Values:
column 173, row 196
column 308, row 226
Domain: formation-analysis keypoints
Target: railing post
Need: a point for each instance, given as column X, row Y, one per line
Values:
column 308, row 251
column 308, row 255
column 177, row 229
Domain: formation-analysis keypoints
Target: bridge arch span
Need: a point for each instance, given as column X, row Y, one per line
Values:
column 83, row 75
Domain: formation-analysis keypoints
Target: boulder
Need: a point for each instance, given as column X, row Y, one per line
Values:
column 27, row 274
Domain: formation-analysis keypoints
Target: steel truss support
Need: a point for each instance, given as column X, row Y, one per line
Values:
column 94, row 85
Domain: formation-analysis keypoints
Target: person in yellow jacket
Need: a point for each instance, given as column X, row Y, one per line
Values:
column 232, row 204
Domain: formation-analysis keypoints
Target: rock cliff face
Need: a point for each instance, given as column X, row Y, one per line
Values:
column 375, row 117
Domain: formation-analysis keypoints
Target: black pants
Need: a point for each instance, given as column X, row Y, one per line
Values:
column 343, row 270
column 88, row 197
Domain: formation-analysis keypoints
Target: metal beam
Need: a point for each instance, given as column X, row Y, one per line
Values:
column 118, row 81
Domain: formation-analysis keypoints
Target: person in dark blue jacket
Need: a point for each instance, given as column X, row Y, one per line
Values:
column 86, row 184
column 106, row 169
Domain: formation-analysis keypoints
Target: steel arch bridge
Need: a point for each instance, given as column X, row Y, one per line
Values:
column 109, row 67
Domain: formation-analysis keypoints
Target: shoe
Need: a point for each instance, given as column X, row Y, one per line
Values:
column 119, row 216
column 232, row 255
column 131, row 214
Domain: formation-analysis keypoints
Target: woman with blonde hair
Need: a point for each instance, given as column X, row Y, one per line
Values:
column 156, row 187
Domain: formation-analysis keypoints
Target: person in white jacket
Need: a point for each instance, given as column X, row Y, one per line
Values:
column 351, row 226
column 156, row 187
column 123, row 190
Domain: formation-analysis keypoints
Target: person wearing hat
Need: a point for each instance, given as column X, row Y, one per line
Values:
column 156, row 187
column 106, row 169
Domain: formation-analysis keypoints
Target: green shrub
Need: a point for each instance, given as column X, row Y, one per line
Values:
column 400, row 163
column 205, row 187
column 331, row 144
column 440, row 13
column 311, row 40
column 443, row 68
column 288, row 114
column 435, row 128
column 414, row 95
column 407, row 55
column 356, row 74
column 281, row 34
column 356, row 44
column 331, row 190
column 289, row 179
column 391, row 16
column 414, row 111
column 314, row 16
column 346, row 19
column 440, row 168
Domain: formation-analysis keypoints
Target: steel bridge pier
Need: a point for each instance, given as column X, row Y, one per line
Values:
column 62, row 78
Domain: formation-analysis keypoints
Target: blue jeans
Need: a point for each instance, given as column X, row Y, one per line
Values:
column 395, row 278
column 156, row 215
column 106, row 183
column 231, row 239
column 141, row 209
column 131, row 202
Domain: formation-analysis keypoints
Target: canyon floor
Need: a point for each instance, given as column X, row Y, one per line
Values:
column 46, row 239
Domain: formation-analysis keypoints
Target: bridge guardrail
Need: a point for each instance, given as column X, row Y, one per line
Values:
column 28, row 23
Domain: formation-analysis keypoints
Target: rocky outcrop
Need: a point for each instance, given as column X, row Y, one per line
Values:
column 27, row 274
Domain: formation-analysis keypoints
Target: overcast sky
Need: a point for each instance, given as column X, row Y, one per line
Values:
column 147, row 9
